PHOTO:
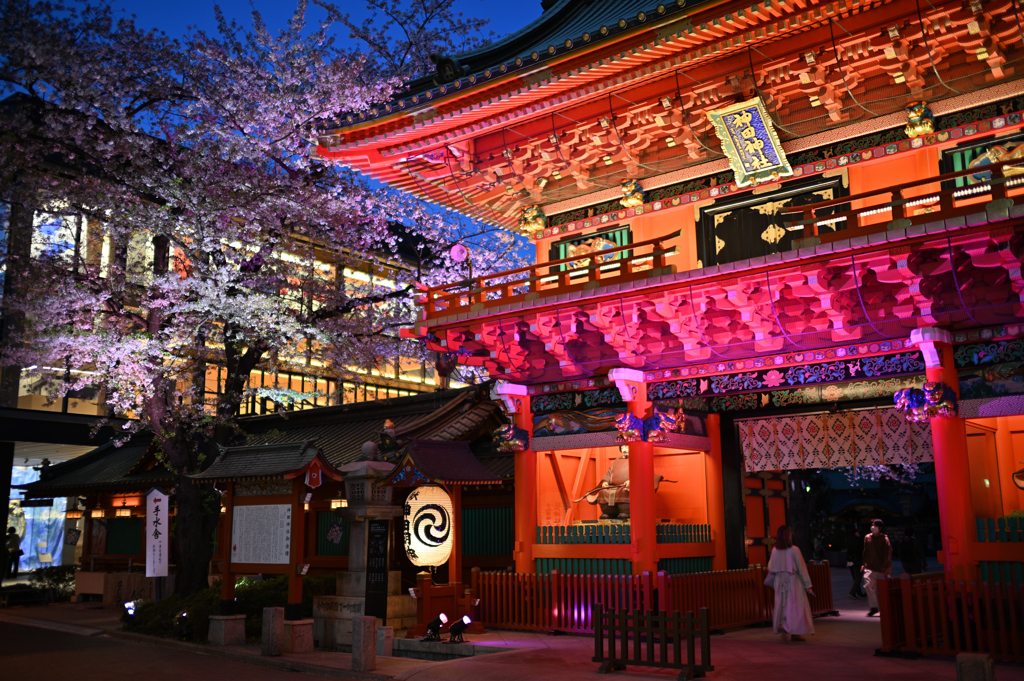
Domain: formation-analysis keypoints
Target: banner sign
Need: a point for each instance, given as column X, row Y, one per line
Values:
column 750, row 142
column 157, row 512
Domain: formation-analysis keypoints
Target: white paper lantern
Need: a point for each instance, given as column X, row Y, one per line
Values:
column 429, row 526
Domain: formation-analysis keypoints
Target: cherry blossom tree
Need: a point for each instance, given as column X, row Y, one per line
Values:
column 226, row 239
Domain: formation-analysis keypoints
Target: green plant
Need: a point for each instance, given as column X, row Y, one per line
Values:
column 251, row 596
column 59, row 579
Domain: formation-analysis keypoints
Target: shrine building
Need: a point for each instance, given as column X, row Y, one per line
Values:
column 769, row 237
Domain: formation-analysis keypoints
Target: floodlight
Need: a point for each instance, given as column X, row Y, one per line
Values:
column 457, row 628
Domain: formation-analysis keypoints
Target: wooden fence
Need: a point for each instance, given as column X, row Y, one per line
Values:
column 1001, row 550
column 571, row 602
column 657, row 641
column 930, row 615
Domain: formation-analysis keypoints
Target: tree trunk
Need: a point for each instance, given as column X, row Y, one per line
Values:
column 19, row 253
column 198, row 513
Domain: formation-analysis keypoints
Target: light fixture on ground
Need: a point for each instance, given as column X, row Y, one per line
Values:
column 434, row 628
column 457, row 628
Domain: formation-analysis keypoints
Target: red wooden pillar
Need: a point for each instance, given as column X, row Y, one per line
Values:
column 227, row 578
column 952, row 468
column 715, row 490
column 455, row 561
column 516, row 401
column 631, row 385
column 293, row 609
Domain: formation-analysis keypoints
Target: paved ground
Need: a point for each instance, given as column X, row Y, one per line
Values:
column 48, row 655
column 73, row 645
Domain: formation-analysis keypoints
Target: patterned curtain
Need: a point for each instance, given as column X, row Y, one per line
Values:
column 852, row 438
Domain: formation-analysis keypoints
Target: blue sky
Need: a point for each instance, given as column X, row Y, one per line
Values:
column 174, row 18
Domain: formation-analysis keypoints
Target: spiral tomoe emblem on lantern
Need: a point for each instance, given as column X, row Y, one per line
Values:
column 429, row 523
column 432, row 525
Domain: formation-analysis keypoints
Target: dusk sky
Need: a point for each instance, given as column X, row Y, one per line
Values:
column 174, row 18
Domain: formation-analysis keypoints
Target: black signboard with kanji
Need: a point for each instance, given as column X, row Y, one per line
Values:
column 379, row 532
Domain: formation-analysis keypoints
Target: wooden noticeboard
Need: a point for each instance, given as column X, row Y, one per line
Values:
column 378, row 538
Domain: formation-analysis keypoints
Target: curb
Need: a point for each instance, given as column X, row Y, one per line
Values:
column 258, row 660
column 51, row 625
column 197, row 648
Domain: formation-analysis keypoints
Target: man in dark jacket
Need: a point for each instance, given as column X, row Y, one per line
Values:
column 877, row 562
column 854, row 551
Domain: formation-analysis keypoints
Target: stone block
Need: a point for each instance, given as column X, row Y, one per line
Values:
column 975, row 667
column 900, row 223
column 298, row 636
column 273, row 631
column 364, row 644
column 385, row 641
column 998, row 209
column 354, row 583
column 227, row 630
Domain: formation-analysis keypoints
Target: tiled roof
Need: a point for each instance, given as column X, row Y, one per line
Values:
column 340, row 432
column 260, row 461
column 337, row 432
column 569, row 27
column 106, row 468
column 449, row 462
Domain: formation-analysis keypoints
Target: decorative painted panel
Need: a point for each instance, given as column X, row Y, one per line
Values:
column 842, row 439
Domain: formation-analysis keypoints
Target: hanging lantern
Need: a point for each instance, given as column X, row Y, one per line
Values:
column 429, row 533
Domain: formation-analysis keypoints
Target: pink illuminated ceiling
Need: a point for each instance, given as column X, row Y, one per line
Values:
column 872, row 293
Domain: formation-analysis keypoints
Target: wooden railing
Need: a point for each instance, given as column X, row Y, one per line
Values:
column 907, row 204
column 568, row 275
column 583, row 534
column 571, row 602
column 1001, row 554
column 683, row 533
column 658, row 639
column 674, row 533
column 934, row 616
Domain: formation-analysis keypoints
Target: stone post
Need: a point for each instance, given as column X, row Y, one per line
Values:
column 364, row 644
column 273, row 631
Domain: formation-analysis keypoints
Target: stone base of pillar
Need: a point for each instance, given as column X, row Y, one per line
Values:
column 364, row 644
column 974, row 667
column 273, row 631
column 298, row 636
column 227, row 630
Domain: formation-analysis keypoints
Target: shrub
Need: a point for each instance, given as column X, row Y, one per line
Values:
column 59, row 579
column 251, row 596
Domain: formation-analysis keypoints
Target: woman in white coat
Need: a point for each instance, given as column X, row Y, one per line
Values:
column 787, row 574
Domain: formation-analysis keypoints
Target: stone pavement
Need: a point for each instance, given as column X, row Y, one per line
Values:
column 843, row 648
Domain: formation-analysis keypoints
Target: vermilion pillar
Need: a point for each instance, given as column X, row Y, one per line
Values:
column 644, row 547
column 293, row 609
column 227, row 580
column 952, row 469
column 516, row 401
column 715, row 490
column 455, row 560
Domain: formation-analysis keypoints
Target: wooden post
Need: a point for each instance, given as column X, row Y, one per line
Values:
column 455, row 560
column 516, row 401
column 715, row 491
column 293, row 610
column 227, row 578
column 643, row 539
column 952, row 471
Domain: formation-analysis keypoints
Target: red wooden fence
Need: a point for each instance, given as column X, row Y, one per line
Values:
column 939, row 617
column 734, row 598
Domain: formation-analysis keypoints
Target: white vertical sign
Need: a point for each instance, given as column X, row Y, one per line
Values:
column 157, row 531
